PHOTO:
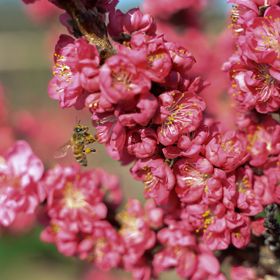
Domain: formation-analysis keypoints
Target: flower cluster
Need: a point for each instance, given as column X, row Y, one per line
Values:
column 20, row 191
column 205, row 184
column 254, row 68
column 76, row 210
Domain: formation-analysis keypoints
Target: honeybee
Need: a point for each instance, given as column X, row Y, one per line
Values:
column 79, row 141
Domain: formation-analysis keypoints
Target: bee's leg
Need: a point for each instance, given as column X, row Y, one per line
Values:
column 89, row 150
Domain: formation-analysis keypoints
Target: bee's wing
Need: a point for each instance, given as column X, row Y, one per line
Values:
column 63, row 150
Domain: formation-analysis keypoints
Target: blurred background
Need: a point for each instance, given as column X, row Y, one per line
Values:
column 27, row 37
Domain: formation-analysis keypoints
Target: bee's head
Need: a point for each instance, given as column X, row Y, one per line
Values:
column 80, row 128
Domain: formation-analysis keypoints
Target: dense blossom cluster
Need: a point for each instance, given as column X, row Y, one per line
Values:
column 204, row 183
column 20, row 191
column 254, row 68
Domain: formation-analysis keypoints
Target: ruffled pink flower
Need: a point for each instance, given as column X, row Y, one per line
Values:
column 97, row 103
column 181, row 252
column 239, row 226
column 198, row 180
column 74, row 195
column 132, row 21
column 151, row 55
column 121, row 80
column 267, row 185
column 211, row 222
column 208, row 266
column 242, row 14
column 179, row 113
column 227, row 150
column 20, row 172
column 182, row 59
column 142, row 112
column 189, row 145
column 75, row 71
column 185, row 148
column 104, row 247
column 255, row 85
column 263, row 141
column 137, row 226
column 247, row 201
column 177, row 253
column 261, row 40
column 111, row 133
column 101, row 244
column 157, row 177
column 142, row 143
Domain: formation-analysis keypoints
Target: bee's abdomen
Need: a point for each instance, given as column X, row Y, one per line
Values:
column 81, row 159
column 80, row 156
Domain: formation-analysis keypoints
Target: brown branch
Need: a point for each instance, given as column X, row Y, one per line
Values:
column 90, row 24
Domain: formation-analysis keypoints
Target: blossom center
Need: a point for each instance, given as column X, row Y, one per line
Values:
column 270, row 37
column 61, row 70
column 150, row 180
column 74, row 198
column 122, row 77
column 194, row 178
column 130, row 226
column 243, row 185
column 208, row 219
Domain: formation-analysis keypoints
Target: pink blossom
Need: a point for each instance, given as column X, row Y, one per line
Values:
column 101, row 244
column 136, row 230
column 198, row 180
column 239, row 226
column 261, row 39
column 242, row 14
column 107, row 247
column 266, row 186
column 181, row 252
column 111, row 133
column 20, row 172
column 179, row 113
column 182, row 59
column 227, row 150
column 74, row 195
column 151, row 55
column 121, row 80
column 142, row 143
column 247, row 200
column 97, row 103
column 263, row 141
column 157, row 177
column 128, row 23
column 189, row 145
column 142, row 113
column 255, row 85
column 75, row 71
